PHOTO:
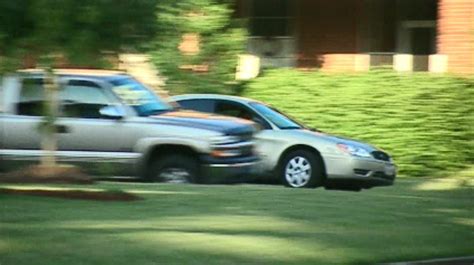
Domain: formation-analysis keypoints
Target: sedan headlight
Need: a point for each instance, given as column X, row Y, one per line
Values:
column 354, row 150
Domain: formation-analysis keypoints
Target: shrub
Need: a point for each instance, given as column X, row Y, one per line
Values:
column 425, row 121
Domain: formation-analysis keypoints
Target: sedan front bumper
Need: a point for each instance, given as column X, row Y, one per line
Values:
column 366, row 172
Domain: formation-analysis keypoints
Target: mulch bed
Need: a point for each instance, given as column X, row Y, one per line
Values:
column 74, row 194
column 46, row 180
column 62, row 174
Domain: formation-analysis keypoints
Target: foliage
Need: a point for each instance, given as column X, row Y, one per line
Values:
column 80, row 31
column 220, row 41
column 425, row 121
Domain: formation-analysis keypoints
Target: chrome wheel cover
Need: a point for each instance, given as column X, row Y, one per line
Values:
column 298, row 171
column 174, row 175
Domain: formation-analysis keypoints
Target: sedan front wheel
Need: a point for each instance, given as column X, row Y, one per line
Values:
column 301, row 169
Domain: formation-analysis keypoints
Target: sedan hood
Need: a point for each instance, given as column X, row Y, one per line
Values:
column 194, row 119
column 333, row 139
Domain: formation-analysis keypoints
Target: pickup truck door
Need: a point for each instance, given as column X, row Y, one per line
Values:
column 102, row 143
column 20, row 118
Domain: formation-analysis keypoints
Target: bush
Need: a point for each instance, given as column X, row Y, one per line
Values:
column 425, row 121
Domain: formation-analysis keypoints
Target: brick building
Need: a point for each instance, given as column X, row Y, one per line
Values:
column 351, row 35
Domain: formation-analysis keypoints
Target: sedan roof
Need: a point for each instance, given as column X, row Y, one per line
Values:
column 212, row 96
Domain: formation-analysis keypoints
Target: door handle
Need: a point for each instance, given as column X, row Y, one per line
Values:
column 62, row 129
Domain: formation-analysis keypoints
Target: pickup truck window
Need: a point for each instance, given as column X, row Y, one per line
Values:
column 31, row 98
column 134, row 94
column 82, row 99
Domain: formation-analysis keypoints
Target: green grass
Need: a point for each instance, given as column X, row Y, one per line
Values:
column 425, row 121
column 242, row 224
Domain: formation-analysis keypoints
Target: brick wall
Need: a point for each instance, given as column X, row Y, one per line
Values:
column 456, row 34
column 327, row 27
column 338, row 62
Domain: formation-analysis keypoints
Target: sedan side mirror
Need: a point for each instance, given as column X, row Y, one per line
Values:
column 113, row 112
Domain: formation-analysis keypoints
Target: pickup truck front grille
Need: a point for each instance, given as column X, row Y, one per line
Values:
column 244, row 137
column 247, row 144
column 241, row 149
column 247, row 150
column 241, row 146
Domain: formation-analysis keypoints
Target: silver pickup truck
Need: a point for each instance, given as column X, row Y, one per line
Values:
column 112, row 124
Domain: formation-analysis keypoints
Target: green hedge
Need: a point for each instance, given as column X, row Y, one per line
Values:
column 425, row 121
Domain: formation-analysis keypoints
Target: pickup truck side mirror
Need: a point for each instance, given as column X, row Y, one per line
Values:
column 261, row 124
column 258, row 123
column 113, row 112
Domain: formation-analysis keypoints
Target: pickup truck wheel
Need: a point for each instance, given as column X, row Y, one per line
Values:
column 175, row 169
column 301, row 169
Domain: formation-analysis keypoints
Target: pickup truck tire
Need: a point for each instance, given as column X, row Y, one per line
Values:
column 175, row 169
column 301, row 169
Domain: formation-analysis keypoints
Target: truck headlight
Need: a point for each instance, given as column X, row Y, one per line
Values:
column 354, row 150
column 225, row 153
column 224, row 139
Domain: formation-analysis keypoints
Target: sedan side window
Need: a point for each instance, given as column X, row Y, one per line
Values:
column 83, row 99
column 234, row 110
column 228, row 108
column 203, row 105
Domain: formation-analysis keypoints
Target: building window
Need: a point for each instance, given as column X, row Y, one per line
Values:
column 270, row 18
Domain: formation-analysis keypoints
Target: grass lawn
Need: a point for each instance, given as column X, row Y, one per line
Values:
column 241, row 224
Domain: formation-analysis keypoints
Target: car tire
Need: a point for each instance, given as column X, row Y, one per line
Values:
column 301, row 169
column 175, row 169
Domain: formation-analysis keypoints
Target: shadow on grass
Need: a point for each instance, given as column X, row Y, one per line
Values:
column 247, row 224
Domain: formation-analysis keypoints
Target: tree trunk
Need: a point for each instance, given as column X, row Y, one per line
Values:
column 49, row 140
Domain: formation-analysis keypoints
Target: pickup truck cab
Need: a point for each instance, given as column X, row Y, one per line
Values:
column 112, row 124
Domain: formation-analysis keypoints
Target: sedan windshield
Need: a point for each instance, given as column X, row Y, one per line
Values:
column 273, row 115
column 136, row 95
